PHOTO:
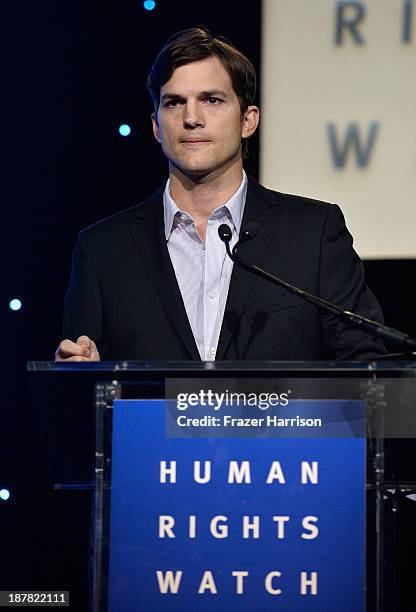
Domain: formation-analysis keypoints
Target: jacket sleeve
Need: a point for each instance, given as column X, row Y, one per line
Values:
column 83, row 310
column 342, row 282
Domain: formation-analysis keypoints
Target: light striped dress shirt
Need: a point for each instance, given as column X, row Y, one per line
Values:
column 203, row 270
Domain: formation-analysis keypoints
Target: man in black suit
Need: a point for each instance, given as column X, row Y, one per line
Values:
column 154, row 283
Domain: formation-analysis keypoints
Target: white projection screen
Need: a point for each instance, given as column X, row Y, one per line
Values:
column 338, row 123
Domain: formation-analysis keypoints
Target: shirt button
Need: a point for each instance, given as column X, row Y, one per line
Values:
column 213, row 350
column 211, row 295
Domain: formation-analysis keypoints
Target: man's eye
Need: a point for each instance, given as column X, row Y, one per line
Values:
column 213, row 100
column 172, row 103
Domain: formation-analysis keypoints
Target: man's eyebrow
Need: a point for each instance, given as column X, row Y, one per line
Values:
column 214, row 92
column 170, row 96
column 204, row 94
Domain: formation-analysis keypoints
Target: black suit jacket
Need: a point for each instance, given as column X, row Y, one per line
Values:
column 123, row 291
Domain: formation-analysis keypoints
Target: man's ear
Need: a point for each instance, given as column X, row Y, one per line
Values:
column 250, row 121
column 155, row 125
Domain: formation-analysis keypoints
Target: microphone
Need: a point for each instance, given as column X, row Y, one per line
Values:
column 249, row 231
column 225, row 233
column 374, row 328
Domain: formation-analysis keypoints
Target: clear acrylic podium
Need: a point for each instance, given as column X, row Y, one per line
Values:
column 76, row 407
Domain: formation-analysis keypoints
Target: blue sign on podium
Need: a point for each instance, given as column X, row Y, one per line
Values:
column 230, row 523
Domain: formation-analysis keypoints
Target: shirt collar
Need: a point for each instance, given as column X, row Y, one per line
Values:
column 235, row 207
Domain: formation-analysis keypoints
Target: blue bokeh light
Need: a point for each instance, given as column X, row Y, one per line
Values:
column 124, row 129
column 4, row 494
column 15, row 304
column 149, row 5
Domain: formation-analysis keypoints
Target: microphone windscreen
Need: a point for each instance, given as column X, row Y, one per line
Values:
column 224, row 232
column 250, row 230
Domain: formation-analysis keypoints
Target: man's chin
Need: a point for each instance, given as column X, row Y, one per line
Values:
column 199, row 171
column 195, row 172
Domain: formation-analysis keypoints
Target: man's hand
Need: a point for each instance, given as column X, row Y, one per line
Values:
column 83, row 349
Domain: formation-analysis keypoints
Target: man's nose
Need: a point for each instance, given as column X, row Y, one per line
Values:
column 192, row 116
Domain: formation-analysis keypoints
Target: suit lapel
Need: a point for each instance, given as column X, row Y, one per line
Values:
column 261, row 206
column 149, row 237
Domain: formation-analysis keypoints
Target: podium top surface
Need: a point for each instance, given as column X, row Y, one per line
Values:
column 192, row 368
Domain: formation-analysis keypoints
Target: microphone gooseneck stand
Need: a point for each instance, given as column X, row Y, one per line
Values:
column 374, row 328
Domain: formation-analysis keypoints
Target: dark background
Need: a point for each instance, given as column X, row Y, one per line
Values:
column 72, row 73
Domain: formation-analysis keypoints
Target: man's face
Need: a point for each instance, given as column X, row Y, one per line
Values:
column 198, row 122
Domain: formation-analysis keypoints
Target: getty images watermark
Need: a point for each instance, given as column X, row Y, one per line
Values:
column 230, row 410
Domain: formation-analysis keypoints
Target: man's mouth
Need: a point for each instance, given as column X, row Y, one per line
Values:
column 194, row 142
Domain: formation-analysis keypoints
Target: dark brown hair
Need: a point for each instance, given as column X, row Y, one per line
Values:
column 195, row 44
